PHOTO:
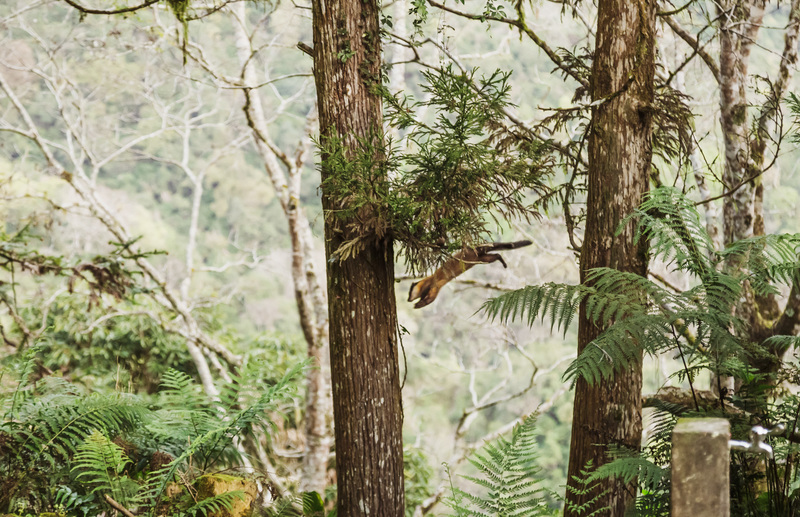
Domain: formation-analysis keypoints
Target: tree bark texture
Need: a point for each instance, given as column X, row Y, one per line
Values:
column 363, row 319
column 767, row 318
column 759, row 143
column 620, row 153
column 739, row 22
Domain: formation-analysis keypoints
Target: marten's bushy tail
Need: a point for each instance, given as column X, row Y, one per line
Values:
column 507, row 245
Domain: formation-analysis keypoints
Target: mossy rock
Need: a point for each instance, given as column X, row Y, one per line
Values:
column 212, row 485
column 173, row 490
column 174, row 499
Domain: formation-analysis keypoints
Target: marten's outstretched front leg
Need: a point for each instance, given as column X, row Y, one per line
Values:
column 427, row 289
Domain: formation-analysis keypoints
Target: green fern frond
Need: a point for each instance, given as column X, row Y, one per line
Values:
column 509, row 477
column 764, row 260
column 52, row 427
column 99, row 464
column 185, row 408
column 581, row 485
column 95, row 458
column 214, row 505
column 309, row 504
column 628, row 466
column 289, row 507
column 675, row 231
column 25, row 366
column 642, row 316
column 621, row 346
column 236, row 423
column 560, row 301
column 782, row 343
column 313, row 505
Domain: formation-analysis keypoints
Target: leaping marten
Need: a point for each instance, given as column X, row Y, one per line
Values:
column 428, row 288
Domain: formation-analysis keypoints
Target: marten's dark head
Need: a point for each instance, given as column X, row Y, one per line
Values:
column 414, row 292
column 425, row 290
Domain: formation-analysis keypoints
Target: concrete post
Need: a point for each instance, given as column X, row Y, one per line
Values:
column 700, row 468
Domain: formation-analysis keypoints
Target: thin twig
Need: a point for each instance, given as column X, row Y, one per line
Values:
column 122, row 10
column 118, row 507
column 520, row 24
column 696, row 46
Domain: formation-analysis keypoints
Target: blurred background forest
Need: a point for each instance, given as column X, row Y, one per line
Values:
column 162, row 260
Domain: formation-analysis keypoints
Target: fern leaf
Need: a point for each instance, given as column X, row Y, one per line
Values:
column 214, row 504
column 509, row 475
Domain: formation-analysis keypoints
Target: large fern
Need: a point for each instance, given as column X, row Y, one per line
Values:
column 55, row 439
column 99, row 464
column 53, row 424
column 584, row 485
column 46, row 424
column 509, row 478
column 642, row 315
column 237, row 421
column 700, row 323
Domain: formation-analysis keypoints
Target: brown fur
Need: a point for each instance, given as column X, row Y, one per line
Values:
column 427, row 289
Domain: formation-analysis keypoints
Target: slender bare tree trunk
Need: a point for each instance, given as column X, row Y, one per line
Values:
column 363, row 319
column 620, row 153
column 309, row 293
column 740, row 21
column 768, row 305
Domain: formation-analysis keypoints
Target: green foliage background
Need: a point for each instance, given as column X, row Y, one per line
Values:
column 122, row 66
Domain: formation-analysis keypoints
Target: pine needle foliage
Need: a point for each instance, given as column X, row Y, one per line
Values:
column 463, row 171
column 642, row 315
column 508, row 478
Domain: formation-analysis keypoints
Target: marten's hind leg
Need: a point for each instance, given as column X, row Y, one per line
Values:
column 488, row 258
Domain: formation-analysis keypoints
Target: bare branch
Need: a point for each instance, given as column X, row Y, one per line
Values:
column 83, row 188
column 695, row 45
column 674, row 395
column 124, row 511
column 122, row 10
column 522, row 26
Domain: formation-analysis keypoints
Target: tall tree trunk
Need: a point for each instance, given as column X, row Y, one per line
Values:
column 740, row 21
column 620, row 154
column 363, row 319
column 758, row 144
column 309, row 293
column 771, row 320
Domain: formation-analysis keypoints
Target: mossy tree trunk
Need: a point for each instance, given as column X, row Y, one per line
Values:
column 740, row 21
column 620, row 154
column 745, row 151
column 363, row 320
